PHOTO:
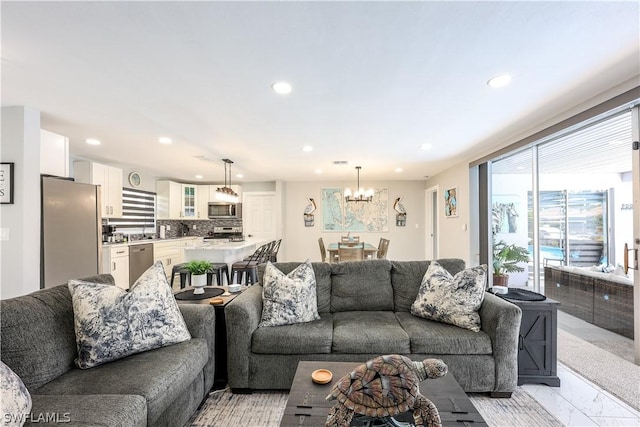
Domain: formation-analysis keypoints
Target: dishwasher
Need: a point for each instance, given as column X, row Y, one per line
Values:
column 140, row 259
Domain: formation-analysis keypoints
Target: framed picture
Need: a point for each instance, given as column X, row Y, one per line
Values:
column 6, row 183
column 451, row 202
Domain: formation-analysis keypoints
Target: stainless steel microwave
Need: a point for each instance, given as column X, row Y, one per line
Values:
column 225, row 210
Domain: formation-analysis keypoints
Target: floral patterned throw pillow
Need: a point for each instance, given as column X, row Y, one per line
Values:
column 289, row 299
column 451, row 299
column 15, row 400
column 111, row 323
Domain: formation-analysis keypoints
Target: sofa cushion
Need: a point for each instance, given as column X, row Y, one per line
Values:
column 362, row 285
column 367, row 332
column 406, row 277
column 288, row 299
column 111, row 323
column 302, row 338
column 322, row 272
column 15, row 400
column 451, row 299
column 431, row 337
column 95, row 410
column 159, row 375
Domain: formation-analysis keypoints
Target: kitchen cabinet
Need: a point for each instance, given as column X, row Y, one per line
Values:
column 171, row 253
column 189, row 200
column 108, row 178
column 202, row 210
column 115, row 261
column 177, row 201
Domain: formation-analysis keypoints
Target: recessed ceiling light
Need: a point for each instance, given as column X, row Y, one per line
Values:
column 499, row 81
column 92, row 141
column 307, row 148
column 398, row 170
column 282, row 88
column 426, row 147
column 318, row 171
column 164, row 140
column 199, row 177
column 239, row 175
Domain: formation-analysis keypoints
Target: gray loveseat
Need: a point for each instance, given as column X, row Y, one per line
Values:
column 365, row 312
column 161, row 387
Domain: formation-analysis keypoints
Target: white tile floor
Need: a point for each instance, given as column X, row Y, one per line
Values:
column 578, row 402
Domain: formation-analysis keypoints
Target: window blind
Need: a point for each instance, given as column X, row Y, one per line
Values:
column 138, row 211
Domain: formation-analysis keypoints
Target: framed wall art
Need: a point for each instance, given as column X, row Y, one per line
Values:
column 6, row 183
column 451, row 202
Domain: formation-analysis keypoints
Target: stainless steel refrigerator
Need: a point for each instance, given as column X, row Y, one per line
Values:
column 71, row 239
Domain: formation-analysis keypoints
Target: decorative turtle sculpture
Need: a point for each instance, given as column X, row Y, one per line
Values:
column 384, row 387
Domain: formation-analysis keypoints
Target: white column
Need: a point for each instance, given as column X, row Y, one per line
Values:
column 20, row 221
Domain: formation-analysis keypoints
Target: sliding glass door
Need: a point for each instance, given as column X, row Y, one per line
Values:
column 568, row 200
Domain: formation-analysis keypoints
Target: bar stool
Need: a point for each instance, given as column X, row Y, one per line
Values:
column 218, row 268
column 184, row 274
column 249, row 267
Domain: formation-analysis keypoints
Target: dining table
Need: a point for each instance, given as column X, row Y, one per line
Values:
column 369, row 250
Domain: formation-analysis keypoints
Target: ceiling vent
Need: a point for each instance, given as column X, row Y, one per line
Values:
column 340, row 162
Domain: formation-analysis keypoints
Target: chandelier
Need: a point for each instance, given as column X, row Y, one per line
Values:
column 226, row 194
column 359, row 195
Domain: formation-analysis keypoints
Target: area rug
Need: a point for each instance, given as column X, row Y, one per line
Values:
column 265, row 409
column 616, row 375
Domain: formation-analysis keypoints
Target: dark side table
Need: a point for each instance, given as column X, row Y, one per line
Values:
column 538, row 342
column 220, row 376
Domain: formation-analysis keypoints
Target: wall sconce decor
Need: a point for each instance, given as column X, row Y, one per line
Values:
column 401, row 213
column 308, row 212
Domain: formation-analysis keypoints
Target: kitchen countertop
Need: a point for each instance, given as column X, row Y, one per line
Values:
column 221, row 245
column 154, row 240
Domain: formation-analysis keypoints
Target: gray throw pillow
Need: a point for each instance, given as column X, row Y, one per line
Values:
column 15, row 399
column 451, row 299
column 289, row 299
column 111, row 323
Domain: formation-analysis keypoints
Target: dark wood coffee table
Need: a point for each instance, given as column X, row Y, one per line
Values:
column 307, row 406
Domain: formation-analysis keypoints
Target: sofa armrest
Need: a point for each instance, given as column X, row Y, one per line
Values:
column 201, row 322
column 501, row 321
column 242, row 315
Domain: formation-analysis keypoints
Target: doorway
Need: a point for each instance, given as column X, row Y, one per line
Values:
column 431, row 221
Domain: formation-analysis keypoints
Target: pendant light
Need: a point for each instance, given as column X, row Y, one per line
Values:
column 226, row 194
column 359, row 195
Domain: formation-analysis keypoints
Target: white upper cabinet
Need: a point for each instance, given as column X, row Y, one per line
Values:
column 177, row 201
column 109, row 178
column 202, row 208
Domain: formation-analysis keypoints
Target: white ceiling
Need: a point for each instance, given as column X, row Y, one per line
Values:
column 372, row 81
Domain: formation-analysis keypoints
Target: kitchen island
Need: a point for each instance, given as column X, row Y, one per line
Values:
column 223, row 251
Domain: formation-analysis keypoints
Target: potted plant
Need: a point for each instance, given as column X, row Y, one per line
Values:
column 505, row 260
column 199, row 270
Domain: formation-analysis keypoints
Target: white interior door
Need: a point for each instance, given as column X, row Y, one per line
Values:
column 431, row 222
column 259, row 214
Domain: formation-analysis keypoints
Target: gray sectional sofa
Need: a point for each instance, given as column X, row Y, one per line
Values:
column 161, row 387
column 365, row 312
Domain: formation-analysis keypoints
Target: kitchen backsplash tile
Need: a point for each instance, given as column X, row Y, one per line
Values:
column 202, row 228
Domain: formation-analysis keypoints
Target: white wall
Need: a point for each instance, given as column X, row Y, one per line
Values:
column 300, row 243
column 54, row 154
column 20, row 253
column 454, row 232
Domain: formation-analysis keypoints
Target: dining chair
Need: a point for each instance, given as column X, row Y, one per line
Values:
column 353, row 240
column 383, row 246
column 323, row 250
column 350, row 252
